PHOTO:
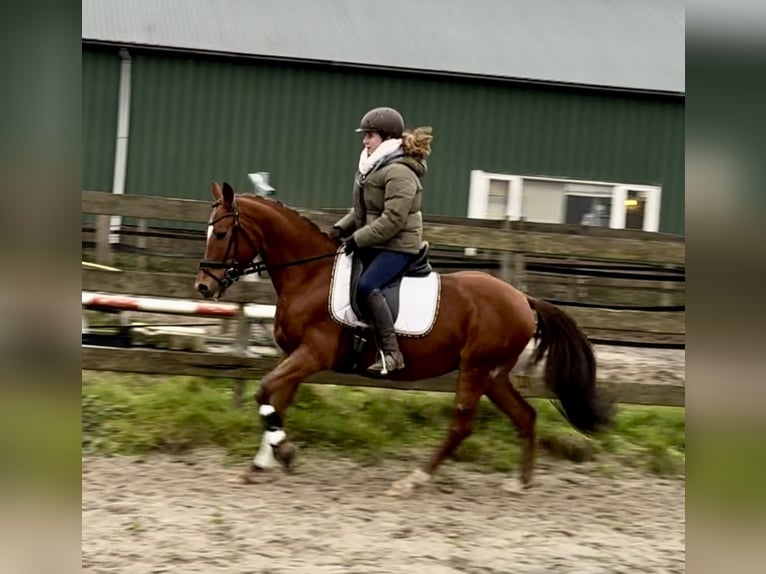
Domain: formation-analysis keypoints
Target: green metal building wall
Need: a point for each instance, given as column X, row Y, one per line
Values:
column 100, row 87
column 195, row 119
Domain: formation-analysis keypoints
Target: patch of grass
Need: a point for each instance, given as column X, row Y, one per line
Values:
column 650, row 437
column 126, row 413
column 123, row 414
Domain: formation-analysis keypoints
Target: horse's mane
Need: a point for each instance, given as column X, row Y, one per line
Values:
column 281, row 207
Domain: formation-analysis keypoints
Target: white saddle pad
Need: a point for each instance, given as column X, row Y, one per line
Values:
column 418, row 300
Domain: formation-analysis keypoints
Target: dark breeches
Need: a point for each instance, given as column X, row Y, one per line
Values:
column 384, row 268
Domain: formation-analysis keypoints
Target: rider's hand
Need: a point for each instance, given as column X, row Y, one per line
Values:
column 350, row 246
column 335, row 233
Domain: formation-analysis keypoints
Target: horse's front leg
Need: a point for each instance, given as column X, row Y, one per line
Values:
column 276, row 392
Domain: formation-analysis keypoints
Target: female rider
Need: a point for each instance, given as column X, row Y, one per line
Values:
column 385, row 225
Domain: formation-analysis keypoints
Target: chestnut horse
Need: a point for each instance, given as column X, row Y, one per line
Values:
column 482, row 327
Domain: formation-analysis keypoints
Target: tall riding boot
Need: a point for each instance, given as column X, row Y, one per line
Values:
column 383, row 323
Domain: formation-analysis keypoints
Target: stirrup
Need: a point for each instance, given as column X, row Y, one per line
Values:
column 386, row 363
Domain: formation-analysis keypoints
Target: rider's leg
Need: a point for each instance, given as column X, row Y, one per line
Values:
column 383, row 269
column 383, row 322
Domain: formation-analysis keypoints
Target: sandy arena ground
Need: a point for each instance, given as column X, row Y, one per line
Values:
column 160, row 514
column 190, row 514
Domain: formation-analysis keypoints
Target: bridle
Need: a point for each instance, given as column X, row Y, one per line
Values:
column 234, row 268
column 230, row 262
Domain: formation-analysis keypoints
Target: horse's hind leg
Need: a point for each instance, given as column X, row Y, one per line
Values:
column 472, row 383
column 502, row 393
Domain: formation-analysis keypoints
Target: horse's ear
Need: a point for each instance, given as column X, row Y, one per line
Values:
column 215, row 189
column 228, row 193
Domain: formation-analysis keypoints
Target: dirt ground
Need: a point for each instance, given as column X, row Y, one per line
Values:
column 190, row 514
column 151, row 515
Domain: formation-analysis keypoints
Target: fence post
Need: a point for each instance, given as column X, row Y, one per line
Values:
column 519, row 271
column 506, row 257
column 666, row 296
column 240, row 347
column 104, row 255
column 513, row 263
column 142, row 242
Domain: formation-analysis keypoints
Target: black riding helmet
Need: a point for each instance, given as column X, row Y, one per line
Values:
column 387, row 121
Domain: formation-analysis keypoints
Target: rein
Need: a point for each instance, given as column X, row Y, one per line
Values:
column 258, row 266
column 233, row 273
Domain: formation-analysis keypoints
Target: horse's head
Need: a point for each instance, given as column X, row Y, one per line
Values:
column 229, row 249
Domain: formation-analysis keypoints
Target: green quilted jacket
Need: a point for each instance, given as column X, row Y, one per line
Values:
column 387, row 203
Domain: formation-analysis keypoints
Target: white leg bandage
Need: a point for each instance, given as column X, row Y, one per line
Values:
column 264, row 458
column 265, row 410
column 275, row 436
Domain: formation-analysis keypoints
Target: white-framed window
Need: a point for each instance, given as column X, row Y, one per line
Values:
column 559, row 200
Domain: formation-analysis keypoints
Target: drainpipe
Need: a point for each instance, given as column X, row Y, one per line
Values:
column 121, row 149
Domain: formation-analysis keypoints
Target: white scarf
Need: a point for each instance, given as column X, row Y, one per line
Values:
column 367, row 162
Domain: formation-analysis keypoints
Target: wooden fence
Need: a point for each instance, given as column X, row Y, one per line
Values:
column 580, row 266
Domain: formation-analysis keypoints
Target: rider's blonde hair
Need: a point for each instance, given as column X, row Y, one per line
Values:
column 417, row 143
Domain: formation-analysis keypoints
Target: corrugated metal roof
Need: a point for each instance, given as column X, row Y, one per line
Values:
column 636, row 45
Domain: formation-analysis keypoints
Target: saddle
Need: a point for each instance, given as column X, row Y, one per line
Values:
column 420, row 267
column 418, row 306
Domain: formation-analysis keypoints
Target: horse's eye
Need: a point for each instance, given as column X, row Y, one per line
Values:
column 220, row 234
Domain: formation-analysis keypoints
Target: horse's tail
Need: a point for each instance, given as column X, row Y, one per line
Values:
column 570, row 369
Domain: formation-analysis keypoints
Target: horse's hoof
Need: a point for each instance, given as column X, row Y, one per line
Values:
column 285, row 453
column 407, row 485
column 251, row 474
column 400, row 488
column 517, row 487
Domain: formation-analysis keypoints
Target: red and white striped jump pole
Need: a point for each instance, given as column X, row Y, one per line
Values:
column 109, row 302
